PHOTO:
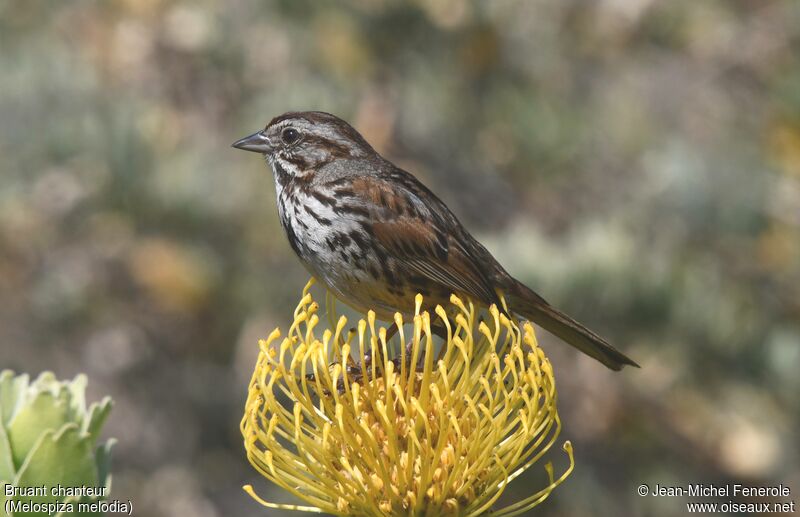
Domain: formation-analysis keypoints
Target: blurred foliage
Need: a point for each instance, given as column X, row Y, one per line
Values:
column 637, row 162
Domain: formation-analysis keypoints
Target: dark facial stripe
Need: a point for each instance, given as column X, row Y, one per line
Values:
column 332, row 147
column 298, row 161
column 283, row 177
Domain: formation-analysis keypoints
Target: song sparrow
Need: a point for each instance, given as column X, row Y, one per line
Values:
column 375, row 236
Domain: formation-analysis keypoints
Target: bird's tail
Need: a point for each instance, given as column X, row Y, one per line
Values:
column 530, row 305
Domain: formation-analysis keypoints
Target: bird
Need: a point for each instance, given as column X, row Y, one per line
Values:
column 375, row 236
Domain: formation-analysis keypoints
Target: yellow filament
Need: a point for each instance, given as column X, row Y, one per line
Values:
column 442, row 432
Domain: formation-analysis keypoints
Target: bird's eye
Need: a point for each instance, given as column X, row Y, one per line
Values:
column 290, row 135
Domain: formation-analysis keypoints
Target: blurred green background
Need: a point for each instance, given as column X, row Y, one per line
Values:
column 637, row 162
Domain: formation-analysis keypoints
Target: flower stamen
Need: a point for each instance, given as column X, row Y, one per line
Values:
column 439, row 432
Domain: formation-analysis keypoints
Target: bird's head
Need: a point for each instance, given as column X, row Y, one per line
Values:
column 304, row 141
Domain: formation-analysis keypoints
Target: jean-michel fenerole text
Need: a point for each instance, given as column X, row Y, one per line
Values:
column 727, row 490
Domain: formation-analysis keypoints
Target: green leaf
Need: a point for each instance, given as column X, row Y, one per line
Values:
column 48, row 437
column 7, row 470
column 77, row 389
column 3, row 500
column 94, row 420
column 65, row 457
column 47, row 381
column 44, row 412
column 103, row 457
column 12, row 391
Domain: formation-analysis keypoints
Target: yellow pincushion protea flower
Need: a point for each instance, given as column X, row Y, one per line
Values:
column 443, row 438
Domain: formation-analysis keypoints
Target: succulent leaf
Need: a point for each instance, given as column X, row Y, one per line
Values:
column 77, row 390
column 102, row 456
column 12, row 390
column 7, row 470
column 44, row 411
column 48, row 437
column 64, row 457
column 96, row 417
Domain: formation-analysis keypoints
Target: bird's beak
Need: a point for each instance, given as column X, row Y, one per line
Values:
column 257, row 142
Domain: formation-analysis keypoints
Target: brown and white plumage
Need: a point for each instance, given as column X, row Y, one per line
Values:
column 375, row 236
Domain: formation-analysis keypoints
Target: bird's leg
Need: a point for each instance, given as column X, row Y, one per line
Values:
column 440, row 330
column 366, row 360
column 355, row 370
column 398, row 360
column 391, row 331
column 351, row 368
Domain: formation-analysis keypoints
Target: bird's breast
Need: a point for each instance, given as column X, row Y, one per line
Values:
column 333, row 248
column 336, row 247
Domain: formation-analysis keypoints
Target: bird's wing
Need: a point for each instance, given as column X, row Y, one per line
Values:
column 435, row 258
column 418, row 230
